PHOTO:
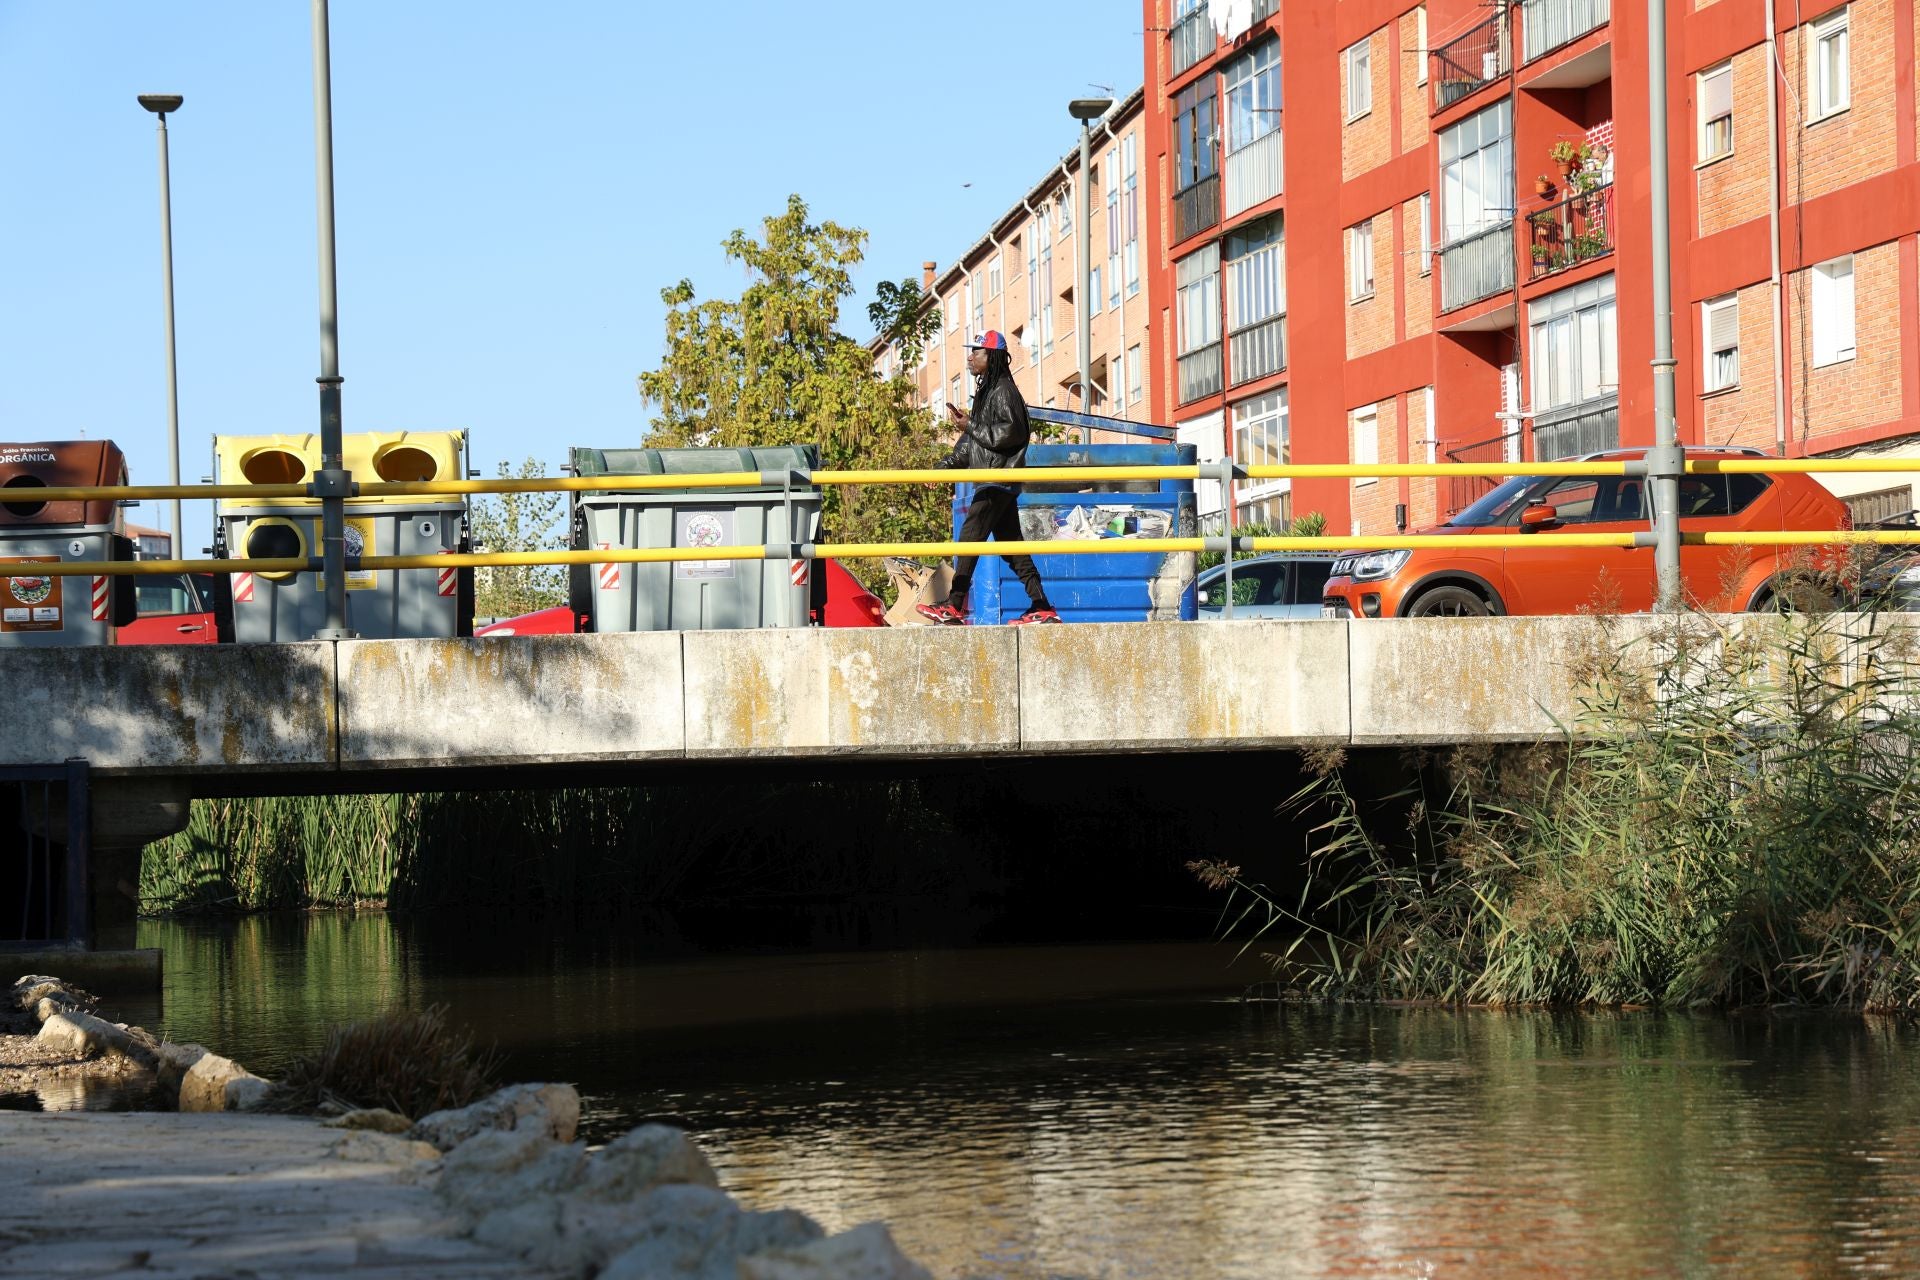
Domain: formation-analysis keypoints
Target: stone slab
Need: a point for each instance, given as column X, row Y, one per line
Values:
column 181, row 709
column 1170, row 686
column 510, row 700
column 914, row 691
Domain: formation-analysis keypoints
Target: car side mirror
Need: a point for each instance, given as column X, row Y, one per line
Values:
column 1538, row 517
column 1206, row 597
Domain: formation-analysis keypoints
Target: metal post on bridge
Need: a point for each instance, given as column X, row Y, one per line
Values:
column 1664, row 460
column 332, row 484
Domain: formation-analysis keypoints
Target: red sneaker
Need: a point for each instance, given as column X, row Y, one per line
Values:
column 944, row 615
column 1035, row 616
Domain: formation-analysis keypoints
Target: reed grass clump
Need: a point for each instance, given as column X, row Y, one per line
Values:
column 1733, row 819
column 411, row 1062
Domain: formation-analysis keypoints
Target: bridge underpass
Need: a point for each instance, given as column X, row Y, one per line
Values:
column 160, row 726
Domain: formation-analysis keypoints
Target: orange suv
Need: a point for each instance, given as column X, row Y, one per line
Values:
column 1428, row 582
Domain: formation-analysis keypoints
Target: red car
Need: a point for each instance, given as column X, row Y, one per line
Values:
column 174, row 609
column 846, row 604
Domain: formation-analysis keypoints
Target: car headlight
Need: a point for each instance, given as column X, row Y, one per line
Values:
column 1375, row 565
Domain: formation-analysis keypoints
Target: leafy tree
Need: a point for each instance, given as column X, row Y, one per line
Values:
column 901, row 314
column 770, row 368
column 519, row 522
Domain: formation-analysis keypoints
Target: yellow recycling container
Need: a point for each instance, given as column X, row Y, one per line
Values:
column 383, row 604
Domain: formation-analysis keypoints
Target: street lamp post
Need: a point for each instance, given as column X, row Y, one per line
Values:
column 1086, row 111
column 160, row 104
column 331, row 483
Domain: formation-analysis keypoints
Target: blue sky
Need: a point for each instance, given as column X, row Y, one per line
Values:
column 515, row 185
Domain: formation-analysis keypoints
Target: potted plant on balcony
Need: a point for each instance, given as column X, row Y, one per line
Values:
column 1566, row 155
column 1543, row 186
column 1543, row 227
column 1541, row 253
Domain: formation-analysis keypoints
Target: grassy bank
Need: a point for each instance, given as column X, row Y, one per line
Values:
column 1734, row 819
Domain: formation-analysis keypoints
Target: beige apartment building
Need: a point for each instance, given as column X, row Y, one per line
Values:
column 1021, row 278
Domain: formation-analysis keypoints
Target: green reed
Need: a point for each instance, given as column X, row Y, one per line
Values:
column 1733, row 819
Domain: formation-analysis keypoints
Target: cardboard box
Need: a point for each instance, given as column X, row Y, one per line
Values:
column 916, row 584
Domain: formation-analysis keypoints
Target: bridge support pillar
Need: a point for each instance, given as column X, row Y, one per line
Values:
column 127, row 815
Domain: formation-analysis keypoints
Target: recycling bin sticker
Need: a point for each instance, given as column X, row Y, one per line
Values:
column 360, row 539
column 30, row 603
column 703, row 529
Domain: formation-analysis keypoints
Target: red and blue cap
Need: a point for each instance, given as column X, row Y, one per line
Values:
column 991, row 340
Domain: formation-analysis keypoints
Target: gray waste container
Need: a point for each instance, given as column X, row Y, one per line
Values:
column 696, row 595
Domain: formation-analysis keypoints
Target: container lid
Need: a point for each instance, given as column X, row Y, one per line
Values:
column 26, row 467
column 695, row 462
column 369, row 455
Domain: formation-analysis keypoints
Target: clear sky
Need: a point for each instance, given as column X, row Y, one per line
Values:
column 515, row 185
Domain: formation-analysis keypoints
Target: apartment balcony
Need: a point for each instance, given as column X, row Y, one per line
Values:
column 1196, row 208
column 1460, row 492
column 1587, row 427
column 1477, row 57
column 1476, row 267
column 1200, row 373
column 1577, row 229
column 1257, row 350
column 1192, row 38
column 1264, row 9
column 1256, row 173
column 1546, row 25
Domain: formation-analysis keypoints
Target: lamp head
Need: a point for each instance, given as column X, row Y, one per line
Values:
column 1085, row 109
column 161, row 103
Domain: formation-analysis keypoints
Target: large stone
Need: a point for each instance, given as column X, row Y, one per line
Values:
column 650, row 1156
column 504, row 1167
column 553, row 1109
column 681, row 1231
column 865, row 1253
column 204, row 1086
column 85, row 1036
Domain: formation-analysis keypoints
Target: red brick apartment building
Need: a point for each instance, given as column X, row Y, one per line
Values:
column 1020, row 278
column 1366, row 247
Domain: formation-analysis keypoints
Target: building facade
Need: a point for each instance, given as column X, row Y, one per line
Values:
column 1411, row 233
column 1021, row 278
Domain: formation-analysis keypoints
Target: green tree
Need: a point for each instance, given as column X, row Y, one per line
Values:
column 519, row 522
column 770, row 367
column 904, row 315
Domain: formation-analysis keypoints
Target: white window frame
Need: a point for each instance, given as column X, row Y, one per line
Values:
column 1360, row 281
column 1267, row 416
column 1568, row 331
column 1096, row 297
column 1432, row 440
column 1708, row 152
column 994, row 281
column 952, row 306
column 1134, row 392
column 1832, row 311
column 1426, row 229
column 1359, row 63
column 1420, row 19
column 1826, row 99
column 1476, row 173
column 1363, row 436
column 1251, row 97
column 1197, row 300
column 1717, row 374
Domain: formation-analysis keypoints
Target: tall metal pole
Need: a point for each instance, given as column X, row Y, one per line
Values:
column 1082, row 250
column 1664, row 459
column 173, row 382
column 331, row 483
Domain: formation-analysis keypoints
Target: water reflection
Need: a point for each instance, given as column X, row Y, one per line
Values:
column 1102, row 1111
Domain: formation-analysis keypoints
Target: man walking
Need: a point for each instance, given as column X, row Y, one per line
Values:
column 994, row 435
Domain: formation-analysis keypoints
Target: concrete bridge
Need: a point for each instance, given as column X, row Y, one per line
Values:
column 159, row 726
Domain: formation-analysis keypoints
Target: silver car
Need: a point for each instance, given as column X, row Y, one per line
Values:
column 1287, row 584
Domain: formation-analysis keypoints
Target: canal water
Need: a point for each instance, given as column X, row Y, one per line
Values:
column 1121, row 1111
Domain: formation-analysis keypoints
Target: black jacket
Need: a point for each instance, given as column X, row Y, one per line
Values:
column 996, row 434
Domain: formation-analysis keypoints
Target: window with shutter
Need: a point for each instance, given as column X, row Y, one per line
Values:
column 1720, row 323
column 1716, row 113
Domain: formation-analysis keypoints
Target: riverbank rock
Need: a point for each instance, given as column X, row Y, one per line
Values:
column 214, row 1083
column 867, row 1252
column 85, row 1036
column 377, row 1119
column 552, row 1109
column 44, row 996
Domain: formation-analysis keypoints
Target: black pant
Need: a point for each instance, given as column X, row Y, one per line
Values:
column 994, row 511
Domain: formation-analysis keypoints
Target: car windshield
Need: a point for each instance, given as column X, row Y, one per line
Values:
column 1497, row 506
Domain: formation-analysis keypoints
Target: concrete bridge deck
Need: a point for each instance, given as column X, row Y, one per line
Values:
column 214, row 713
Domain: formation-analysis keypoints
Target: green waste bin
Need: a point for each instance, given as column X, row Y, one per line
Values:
column 695, row 595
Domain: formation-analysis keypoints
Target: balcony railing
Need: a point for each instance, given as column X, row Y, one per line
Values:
column 1196, row 208
column 1200, row 373
column 1192, row 38
column 1255, row 172
column 1575, row 230
column 1476, row 57
column 1462, row 492
column 1545, row 25
column 1587, row 427
column 1477, row 267
column 1258, row 350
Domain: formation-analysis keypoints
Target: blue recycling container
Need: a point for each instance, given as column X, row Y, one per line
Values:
column 1115, row 586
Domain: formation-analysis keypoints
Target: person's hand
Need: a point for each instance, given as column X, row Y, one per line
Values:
column 955, row 412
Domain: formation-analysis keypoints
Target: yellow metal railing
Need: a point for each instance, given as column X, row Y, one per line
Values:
column 268, row 493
